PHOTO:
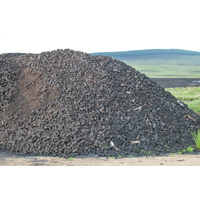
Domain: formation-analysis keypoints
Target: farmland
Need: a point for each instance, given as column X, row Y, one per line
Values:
column 161, row 63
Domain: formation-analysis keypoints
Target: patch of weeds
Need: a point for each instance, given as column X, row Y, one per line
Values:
column 136, row 149
column 131, row 156
column 179, row 152
column 188, row 149
column 119, row 156
column 70, row 159
column 196, row 137
column 145, row 152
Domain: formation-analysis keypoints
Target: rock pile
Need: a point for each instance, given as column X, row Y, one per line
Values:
column 67, row 103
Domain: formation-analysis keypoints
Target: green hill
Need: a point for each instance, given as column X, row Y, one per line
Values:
column 160, row 63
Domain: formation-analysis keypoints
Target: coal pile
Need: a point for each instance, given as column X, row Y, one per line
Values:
column 68, row 103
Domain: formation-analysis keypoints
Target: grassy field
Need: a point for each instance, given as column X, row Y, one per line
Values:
column 161, row 63
column 168, row 66
column 189, row 95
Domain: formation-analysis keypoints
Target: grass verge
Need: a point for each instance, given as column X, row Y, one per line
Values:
column 189, row 95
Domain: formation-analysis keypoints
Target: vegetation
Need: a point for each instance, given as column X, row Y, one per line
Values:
column 145, row 152
column 146, row 52
column 196, row 137
column 189, row 95
column 189, row 149
column 161, row 63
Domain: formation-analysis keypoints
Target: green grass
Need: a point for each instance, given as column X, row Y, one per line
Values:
column 196, row 137
column 189, row 95
column 190, row 149
column 145, row 152
column 168, row 66
column 161, row 63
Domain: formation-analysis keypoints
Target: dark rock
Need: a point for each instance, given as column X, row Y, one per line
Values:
column 65, row 103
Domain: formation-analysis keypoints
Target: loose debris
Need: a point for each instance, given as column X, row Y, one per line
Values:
column 135, row 142
column 67, row 103
column 191, row 118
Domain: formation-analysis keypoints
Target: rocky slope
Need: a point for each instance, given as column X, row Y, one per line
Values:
column 64, row 103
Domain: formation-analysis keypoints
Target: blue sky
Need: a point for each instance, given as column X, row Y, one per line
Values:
column 93, row 26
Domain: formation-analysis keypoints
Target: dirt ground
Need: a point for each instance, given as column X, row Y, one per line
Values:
column 8, row 159
column 177, row 82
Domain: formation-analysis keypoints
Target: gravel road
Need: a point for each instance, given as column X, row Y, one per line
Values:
column 8, row 159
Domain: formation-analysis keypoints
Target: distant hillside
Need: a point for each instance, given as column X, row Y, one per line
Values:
column 160, row 63
column 147, row 52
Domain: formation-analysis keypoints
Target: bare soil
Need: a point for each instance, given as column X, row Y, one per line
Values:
column 8, row 159
column 177, row 82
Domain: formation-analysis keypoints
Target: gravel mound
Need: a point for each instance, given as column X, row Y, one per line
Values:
column 68, row 103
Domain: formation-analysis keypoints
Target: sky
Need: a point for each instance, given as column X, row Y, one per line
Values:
column 35, row 26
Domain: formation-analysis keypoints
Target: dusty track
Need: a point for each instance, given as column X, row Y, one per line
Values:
column 7, row 159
